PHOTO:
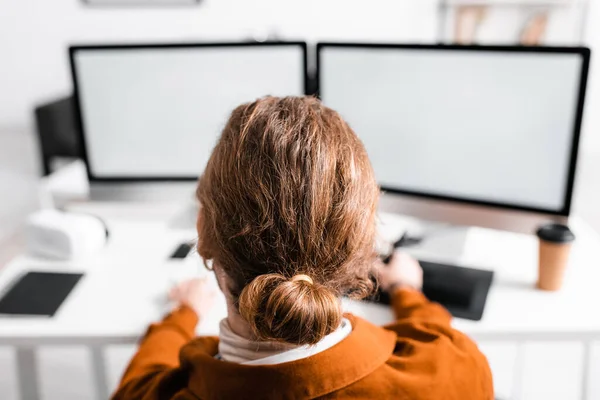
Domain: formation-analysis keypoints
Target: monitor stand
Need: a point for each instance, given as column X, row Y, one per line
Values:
column 174, row 200
column 142, row 191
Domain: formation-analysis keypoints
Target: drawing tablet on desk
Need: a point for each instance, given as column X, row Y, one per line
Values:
column 463, row 291
column 38, row 293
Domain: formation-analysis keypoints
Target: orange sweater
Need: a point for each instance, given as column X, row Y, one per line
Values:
column 417, row 357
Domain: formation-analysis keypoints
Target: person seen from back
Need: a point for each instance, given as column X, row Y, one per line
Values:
column 287, row 220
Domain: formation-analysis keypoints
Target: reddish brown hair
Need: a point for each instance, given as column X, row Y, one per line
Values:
column 289, row 190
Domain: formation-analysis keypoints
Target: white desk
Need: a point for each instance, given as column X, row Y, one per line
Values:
column 125, row 287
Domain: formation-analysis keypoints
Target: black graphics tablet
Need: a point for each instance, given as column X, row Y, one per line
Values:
column 38, row 293
column 463, row 291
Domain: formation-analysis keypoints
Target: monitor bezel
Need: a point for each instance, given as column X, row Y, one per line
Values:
column 583, row 52
column 73, row 49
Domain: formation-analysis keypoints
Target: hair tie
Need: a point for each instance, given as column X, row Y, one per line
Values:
column 302, row 277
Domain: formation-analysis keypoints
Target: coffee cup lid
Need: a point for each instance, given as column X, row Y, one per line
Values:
column 556, row 233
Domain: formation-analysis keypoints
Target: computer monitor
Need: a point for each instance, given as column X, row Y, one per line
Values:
column 152, row 113
column 473, row 135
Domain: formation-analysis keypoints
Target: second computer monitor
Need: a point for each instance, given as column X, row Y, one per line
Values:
column 494, row 126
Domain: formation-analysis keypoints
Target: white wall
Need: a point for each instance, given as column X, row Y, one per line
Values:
column 591, row 127
column 34, row 34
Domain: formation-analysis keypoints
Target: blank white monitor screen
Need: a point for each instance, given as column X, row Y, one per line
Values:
column 156, row 112
column 484, row 126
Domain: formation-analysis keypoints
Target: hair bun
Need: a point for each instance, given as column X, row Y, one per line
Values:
column 296, row 310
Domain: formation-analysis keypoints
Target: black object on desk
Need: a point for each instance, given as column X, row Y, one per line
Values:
column 463, row 291
column 38, row 293
column 182, row 251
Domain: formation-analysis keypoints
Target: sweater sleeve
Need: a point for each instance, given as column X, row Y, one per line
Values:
column 412, row 304
column 158, row 354
column 427, row 346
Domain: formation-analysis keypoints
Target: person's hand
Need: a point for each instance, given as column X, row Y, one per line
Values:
column 402, row 271
column 198, row 294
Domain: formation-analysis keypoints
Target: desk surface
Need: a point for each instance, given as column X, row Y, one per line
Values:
column 125, row 287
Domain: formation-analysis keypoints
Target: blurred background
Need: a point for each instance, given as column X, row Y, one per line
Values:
column 34, row 36
column 34, row 70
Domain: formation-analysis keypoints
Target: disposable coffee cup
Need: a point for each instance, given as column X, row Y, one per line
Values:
column 555, row 242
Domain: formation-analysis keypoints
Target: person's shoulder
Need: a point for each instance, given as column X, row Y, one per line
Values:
column 427, row 350
column 365, row 327
column 424, row 360
column 201, row 345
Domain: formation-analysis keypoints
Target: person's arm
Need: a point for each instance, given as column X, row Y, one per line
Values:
column 410, row 303
column 435, row 355
column 159, row 349
column 402, row 278
column 154, row 367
